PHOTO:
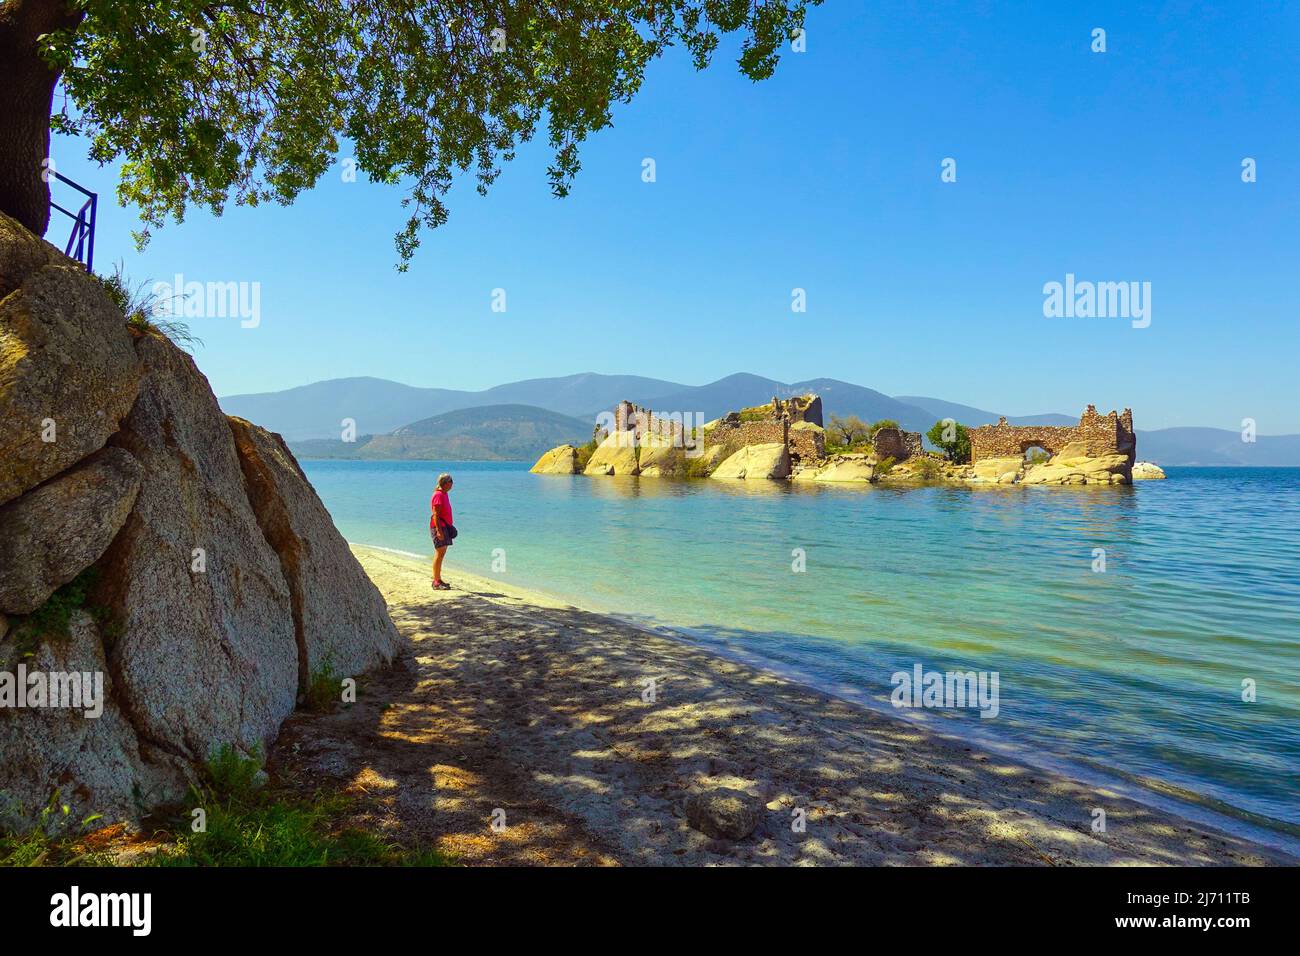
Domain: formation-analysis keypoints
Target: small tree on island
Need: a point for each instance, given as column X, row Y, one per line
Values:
column 847, row 431
column 882, row 423
column 953, row 438
column 249, row 101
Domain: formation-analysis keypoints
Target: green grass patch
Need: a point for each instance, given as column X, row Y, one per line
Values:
column 53, row 619
column 248, row 825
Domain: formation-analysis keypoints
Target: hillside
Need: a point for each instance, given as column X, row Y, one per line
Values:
column 379, row 406
column 488, row 433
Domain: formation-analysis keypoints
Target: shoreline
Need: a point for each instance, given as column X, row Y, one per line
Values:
column 1186, row 805
column 877, row 789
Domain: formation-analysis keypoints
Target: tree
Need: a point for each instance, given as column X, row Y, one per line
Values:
column 953, row 438
column 206, row 102
column 848, row 430
column 883, row 423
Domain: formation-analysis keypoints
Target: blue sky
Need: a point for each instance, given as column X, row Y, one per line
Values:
column 1115, row 166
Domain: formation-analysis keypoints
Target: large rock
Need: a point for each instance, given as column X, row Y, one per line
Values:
column 1147, row 471
column 97, row 764
column 55, row 531
column 1076, row 469
column 558, row 461
column 341, row 622
column 661, row 457
column 208, row 654
column 21, row 254
column 616, row 455
column 768, row 460
column 68, row 372
column 724, row 813
column 997, row 470
column 841, row 468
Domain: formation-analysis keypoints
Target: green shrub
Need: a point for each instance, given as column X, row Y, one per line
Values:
column 884, row 466
column 955, row 444
column 324, row 690
column 927, row 468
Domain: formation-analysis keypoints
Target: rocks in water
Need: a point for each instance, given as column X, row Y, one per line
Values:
column 55, row 531
column 68, row 372
column 768, row 460
column 562, row 460
column 616, row 455
column 997, row 470
column 341, row 622
column 1147, row 471
column 724, row 813
column 1066, row 469
column 661, row 457
column 841, row 468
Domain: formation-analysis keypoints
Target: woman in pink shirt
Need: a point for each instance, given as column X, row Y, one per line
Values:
column 440, row 528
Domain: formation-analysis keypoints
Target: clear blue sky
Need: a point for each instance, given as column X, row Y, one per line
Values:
column 1117, row 166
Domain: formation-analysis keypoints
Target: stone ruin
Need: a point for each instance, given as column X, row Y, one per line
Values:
column 1110, row 434
column 641, row 422
column 781, row 420
column 896, row 444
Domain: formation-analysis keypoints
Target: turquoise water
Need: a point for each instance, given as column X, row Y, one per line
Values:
column 1135, row 672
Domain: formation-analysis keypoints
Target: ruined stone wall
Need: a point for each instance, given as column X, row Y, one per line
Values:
column 642, row 422
column 1101, row 434
column 897, row 444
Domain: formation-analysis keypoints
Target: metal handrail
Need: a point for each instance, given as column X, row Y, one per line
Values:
column 83, row 225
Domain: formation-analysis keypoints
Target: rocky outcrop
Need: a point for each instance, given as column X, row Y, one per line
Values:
column 841, row 468
column 1147, row 471
column 341, row 624
column 96, row 763
column 220, row 586
column 55, row 531
column 1074, row 466
column 207, row 655
column 562, row 460
column 616, row 455
column 661, row 458
column 770, row 460
column 1001, row 471
column 68, row 373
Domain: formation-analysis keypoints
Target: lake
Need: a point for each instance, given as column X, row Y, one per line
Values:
column 1133, row 670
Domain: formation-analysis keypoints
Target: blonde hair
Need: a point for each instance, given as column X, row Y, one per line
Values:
column 443, row 479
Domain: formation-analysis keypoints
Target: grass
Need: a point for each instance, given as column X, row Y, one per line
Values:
column 249, row 825
column 144, row 311
column 52, row 620
column 323, row 690
column 245, row 823
column 53, row 841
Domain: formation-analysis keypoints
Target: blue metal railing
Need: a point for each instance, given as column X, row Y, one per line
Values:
column 83, row 225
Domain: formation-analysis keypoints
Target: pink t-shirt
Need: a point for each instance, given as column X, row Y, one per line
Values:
column 440, row 499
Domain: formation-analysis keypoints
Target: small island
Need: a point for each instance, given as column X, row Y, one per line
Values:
column 787, row 440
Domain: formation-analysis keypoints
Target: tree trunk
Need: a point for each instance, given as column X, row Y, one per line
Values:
column 26, row 98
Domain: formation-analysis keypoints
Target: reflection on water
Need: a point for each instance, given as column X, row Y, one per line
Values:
column 1136, row 670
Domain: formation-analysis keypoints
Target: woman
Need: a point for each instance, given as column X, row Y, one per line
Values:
column 440, row 528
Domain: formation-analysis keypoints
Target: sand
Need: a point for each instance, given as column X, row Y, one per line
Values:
column 512, row 709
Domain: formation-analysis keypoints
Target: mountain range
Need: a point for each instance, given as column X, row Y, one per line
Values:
column 519, row 420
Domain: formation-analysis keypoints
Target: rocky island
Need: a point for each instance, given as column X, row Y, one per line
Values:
column 787, row 440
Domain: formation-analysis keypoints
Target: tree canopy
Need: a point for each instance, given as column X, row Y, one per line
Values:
column 252, row 101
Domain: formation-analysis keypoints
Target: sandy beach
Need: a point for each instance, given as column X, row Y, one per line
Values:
column 514, row 709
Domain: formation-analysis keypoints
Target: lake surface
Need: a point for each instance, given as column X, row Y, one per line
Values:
column 1135, row 672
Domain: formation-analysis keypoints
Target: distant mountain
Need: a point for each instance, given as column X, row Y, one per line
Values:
column 743, row 390
column 1217, row 446
column 486, row 433
column 378, row 406
column 405, row 421
column 973, row 417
